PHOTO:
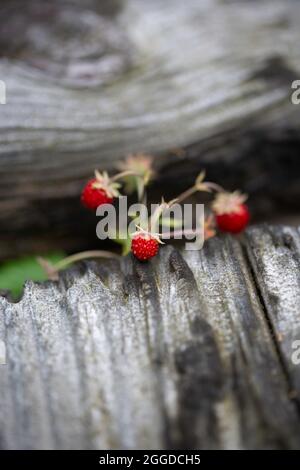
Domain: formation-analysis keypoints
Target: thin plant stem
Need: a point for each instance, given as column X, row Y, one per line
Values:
column 82, row 256
column 189, row 192
column 214, row 186
column 157, row 213
column 124, row 174
column 140, row 187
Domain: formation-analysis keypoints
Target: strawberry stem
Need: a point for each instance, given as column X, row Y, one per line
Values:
column 123, row 174
column 186, row 194
column 156, row 215
column 84, row 255
column 194, row 189
column 140, row 187
column 214, row 186
column 52, row 269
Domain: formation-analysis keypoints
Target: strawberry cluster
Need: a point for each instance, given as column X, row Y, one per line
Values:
column 228, row 211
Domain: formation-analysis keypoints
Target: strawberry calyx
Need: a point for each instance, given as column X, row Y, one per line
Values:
column 140, row 164
column 104, row 182
column 228, row 203
column 147, row 235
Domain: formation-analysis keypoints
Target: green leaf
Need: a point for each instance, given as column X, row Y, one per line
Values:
column 13, row 273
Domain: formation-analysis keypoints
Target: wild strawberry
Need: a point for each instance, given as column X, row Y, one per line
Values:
column 232, row 215
column 99, row 190
column 93, row 197
column 144, row 246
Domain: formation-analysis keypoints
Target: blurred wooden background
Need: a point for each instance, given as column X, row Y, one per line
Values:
column 198, row 83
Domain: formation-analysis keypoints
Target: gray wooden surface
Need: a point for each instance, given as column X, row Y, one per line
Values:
column 192, row 350
column 89, row 82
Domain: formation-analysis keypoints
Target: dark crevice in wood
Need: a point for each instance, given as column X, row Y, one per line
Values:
column 199, row 366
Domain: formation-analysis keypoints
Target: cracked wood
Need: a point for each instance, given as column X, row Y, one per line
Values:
column 192, row 350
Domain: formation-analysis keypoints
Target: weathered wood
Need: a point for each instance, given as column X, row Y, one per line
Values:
column 277, row 271
column 176, row 353
column 85, row 88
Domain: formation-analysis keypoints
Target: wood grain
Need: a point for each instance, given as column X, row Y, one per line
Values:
column 182, row 352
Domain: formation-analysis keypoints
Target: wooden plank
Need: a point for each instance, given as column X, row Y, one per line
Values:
column 176, row 353
column 274, row 256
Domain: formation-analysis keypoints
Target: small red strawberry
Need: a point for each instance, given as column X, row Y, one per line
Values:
column 144, row 246
column 99, row 190
column 232, row 214
column 92, row 197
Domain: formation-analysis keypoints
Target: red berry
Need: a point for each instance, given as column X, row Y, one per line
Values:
column 92, row 197
column 232, row 215
column 144, row 247
column 234, row 222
